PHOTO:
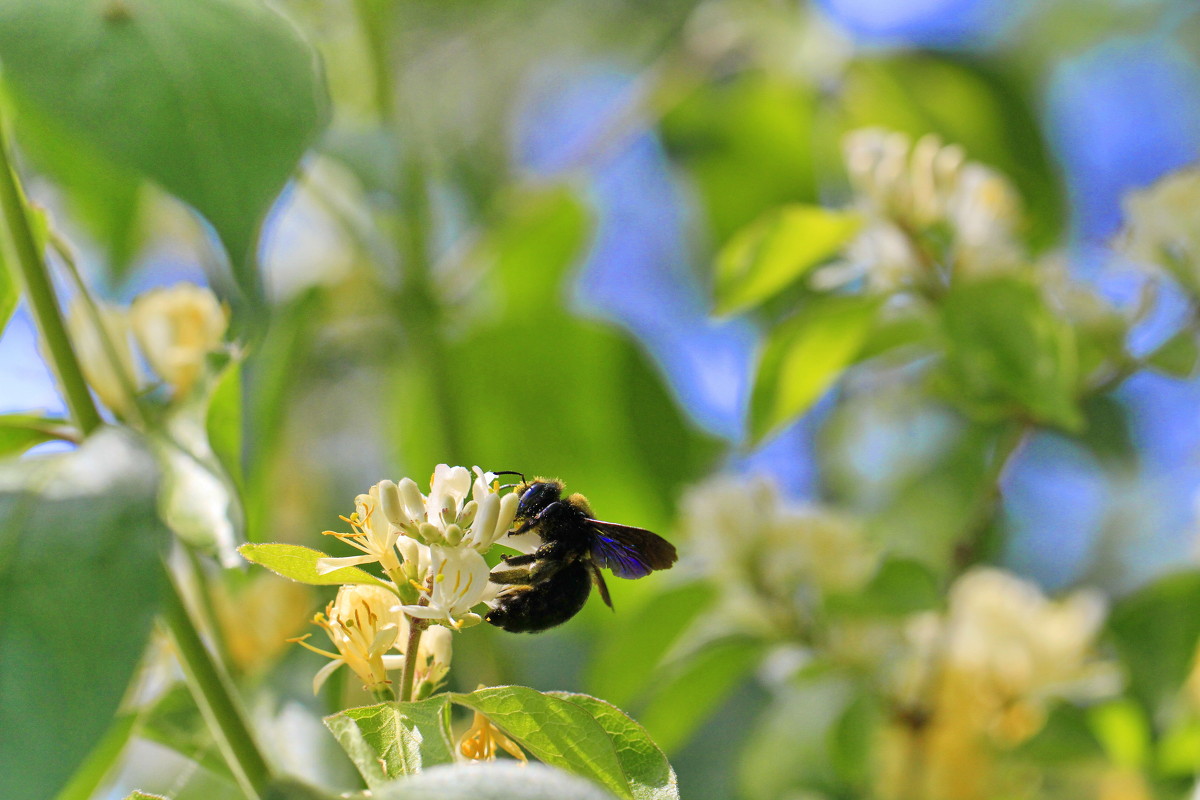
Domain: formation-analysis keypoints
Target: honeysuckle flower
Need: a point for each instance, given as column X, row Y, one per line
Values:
column 905, row 191
column 105, row 353
column 446, row 516
column 371, row 533
column 481, row 740
column 458, row 582
column 176, row 328
column 750, row 537
column 363, row 624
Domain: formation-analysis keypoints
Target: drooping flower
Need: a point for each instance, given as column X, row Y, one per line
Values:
column 481, row 741
column 105, row 353
column 363, row 623
column 176, row 328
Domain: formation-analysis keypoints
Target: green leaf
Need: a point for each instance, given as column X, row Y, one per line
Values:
column 144, row 796
column 1009, row 354
column 216, row 100
column 80, row 566
column 105, row 197
column 495, row 781
column 1178, row 356
column 900, row 587
column 9, row 292
column 627, row 658
column 646, row 767
column 1156, row 631
column 299, row 563
column 804, row 357
column 1123, row 730
column 852, row 740
column 19, row 432
column 1066, row 738
column 776, row 250
column 749, row 144
column 88, row 778
column 389, row 740
column 555, row 731
column 695, row 689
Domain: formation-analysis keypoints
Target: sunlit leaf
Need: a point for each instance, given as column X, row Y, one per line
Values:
column 804, row 357
column 19, row 432
column 1123, row 730
column 555, row 731
column 216, row 100
column 79, row 582
column 646, row 767
column 299, row 563
column 224, row 419
column 1178, row 357
column 389, row 740
column 778, row 249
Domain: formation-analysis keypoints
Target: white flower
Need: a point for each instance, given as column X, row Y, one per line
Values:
column 176, row 328
column 446, row 516
column 363, row 623
column 372, row 533
column 105, row 353
column 459, row 578
column 750, row 537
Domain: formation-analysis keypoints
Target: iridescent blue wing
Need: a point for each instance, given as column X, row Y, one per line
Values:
column 629, row 552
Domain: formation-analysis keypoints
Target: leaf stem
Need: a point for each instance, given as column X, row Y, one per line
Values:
column 24, row 252
column 214, row 694
column 415, row 628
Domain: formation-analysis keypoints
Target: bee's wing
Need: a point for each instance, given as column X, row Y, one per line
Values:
column 598, row 579
column 629, row 552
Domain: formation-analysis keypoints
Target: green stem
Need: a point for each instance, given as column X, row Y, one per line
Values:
column 214, row 694
column 30, row 262
column 415, row 628
column 971, row 546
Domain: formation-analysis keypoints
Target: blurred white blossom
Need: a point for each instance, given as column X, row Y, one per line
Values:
column 927, row 208
column 760, row 548
column 176, row 328
column 1162, row 224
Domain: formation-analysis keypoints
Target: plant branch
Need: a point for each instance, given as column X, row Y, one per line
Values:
column 29, row 260
column 415, row 628
column 213, row 694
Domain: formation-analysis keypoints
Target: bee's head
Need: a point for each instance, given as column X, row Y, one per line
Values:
column 536, row 495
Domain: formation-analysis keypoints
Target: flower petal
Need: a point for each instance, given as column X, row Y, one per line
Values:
column 329, row 564
column 324, row 672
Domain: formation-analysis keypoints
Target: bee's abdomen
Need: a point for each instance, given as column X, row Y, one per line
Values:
column 545, row 604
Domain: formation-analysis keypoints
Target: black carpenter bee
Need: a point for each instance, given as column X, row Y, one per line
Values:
column 549, row 586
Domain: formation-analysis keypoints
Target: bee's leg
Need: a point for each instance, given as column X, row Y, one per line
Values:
column 516, row 561
column 546, row 561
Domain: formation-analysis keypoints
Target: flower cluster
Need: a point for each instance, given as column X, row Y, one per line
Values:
column 979, row 676
column 431, row 548
column 1162, row 225
column 771, row 556
column 175, row 329
column 927, row 208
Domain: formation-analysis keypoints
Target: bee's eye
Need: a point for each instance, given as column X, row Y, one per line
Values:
column 527, row 499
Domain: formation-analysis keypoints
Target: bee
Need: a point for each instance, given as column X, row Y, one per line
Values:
column 550, row 585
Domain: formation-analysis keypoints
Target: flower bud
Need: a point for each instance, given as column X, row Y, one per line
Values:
column 508, row 512
column 176, row 328
column 430, row 533
column 468, row 513
column 454, row 535
column 389, row 499
column 411, row 498
column 485, row 521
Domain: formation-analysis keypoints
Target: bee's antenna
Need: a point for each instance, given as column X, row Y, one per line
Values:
column 511, row 472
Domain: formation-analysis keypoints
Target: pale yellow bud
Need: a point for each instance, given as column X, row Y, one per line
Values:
column 177, row 327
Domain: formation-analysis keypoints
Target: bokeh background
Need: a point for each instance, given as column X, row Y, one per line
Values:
column 585, row 161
